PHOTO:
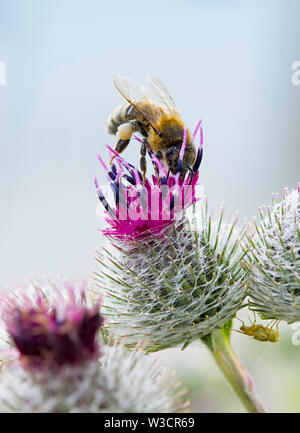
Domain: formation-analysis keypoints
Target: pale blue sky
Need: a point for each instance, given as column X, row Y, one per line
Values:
column 227, row 62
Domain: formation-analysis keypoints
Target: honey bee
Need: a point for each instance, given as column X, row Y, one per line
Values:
column 260, row 332
column 151, row 111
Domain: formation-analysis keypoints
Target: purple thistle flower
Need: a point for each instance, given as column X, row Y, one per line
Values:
column 52, row 332
column 144, row 208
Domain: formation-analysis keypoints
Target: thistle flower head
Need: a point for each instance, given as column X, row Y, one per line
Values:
column 173, row 288
column 274, row 259
column 143, row 208
column 51, row 329
column 117, row 382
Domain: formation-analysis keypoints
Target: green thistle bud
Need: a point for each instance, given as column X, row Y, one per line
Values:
column 175, row 286
column 274, row 260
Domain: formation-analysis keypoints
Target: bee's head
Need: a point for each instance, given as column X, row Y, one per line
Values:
column 171, row 138
column 172, row 156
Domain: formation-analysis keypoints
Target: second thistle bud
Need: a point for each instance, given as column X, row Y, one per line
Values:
column 59, row 367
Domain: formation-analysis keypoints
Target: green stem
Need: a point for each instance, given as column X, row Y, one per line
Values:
column 238, row 377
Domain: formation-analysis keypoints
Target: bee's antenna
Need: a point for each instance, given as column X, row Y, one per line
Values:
column 189, row 168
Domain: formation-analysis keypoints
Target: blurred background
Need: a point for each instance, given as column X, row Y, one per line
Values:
column 225, row 61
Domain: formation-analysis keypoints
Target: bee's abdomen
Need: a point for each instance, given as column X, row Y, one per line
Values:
column 122, row 114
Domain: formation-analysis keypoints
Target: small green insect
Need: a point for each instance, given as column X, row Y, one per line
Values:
column 260, row 332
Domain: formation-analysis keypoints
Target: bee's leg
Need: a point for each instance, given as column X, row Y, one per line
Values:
column 120, row 146
column 143, row 162
column 159, row 156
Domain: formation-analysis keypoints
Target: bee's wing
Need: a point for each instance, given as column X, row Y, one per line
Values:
column 134, row 92
column 157, row 92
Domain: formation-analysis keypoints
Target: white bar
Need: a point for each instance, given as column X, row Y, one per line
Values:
column 295, row 78
column 2, row 74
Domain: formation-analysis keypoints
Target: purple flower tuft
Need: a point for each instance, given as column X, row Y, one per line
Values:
column 147, row 208
column 50, row 334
